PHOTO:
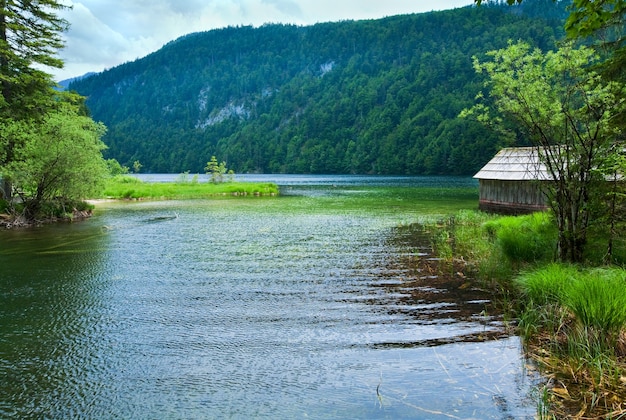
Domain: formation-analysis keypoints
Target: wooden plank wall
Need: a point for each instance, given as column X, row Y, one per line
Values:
column 511, row 196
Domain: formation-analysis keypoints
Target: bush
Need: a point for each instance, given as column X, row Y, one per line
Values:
column 126, row 179
column 62, row 208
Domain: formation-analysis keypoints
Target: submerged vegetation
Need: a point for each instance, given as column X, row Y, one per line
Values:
column 572, row 317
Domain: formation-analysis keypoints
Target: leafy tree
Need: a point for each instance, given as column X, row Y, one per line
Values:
column 60, row 156
column 115, row 168
column 137, row 166
column 602, row 22
column 30, row 36
column 567, row 111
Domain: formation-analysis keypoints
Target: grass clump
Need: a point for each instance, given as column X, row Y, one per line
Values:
column 597, row 298
column 525, row 239
column 496, row 247
column 548, row 284
column 129, row 187
column 573, row 323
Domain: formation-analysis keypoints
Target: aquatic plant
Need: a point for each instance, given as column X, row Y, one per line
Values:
column 572, row 318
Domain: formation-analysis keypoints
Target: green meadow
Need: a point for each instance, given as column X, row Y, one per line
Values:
column 128, row 187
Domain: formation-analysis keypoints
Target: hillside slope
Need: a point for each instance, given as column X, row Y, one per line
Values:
column 374, row 96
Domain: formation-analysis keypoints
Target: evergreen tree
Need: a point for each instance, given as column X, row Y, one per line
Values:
column 30, row 36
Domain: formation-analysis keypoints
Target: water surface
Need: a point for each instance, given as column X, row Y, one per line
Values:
column 314, row 304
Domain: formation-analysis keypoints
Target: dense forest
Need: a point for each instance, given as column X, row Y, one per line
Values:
column 356, row 97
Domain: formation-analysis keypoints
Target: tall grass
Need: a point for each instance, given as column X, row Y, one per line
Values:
column 528, row 238
column 577, row 317
column 496, row 246
column 548, row 284
column 597, row 297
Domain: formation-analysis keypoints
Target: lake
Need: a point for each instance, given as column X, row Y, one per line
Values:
column 312, row 304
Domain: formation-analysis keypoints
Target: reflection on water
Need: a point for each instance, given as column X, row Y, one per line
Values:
column 245, row 308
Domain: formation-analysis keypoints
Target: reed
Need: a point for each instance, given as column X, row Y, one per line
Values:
column 572, row 319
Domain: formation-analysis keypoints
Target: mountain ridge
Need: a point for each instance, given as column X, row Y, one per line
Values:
column 376, row 96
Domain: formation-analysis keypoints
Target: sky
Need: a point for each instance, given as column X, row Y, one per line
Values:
column 106, row 33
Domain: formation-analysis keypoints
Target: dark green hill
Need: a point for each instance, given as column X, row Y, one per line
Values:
column 375, row 96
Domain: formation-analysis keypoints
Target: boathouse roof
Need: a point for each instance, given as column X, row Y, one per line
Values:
column 515, row 164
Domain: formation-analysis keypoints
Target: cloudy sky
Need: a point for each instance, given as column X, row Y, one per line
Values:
column 105, row 33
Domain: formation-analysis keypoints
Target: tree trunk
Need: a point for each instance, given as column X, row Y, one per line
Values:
column 6, row 190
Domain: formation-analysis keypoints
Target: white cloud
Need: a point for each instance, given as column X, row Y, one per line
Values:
column 105, row 33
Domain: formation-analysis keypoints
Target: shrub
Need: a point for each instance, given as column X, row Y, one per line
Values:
column 126, row 179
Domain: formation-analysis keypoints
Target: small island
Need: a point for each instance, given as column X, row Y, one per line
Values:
column 126, row 187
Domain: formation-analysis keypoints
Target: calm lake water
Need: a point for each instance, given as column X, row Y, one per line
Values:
column 313, row 304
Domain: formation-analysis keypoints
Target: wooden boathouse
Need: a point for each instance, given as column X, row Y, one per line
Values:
column 510, row 183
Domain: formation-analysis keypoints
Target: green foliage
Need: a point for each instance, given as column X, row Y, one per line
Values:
column 376, row 96
column 567, row 110
column 529, row 238
column 63, row 208
column 598, row 299
column 464, row 238
column 548, row 284
column 115, row 168
column 30, row 36
column 128, row 187
column 217, row 171
column 184, row 178
column 572, row 321
column 495, row 247
column 61, row 156
column 50, row 151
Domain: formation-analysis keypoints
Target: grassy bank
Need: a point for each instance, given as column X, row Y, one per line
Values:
column 572, row 318
column 128, row 187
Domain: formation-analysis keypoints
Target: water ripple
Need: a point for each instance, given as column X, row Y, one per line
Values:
column 237, row 310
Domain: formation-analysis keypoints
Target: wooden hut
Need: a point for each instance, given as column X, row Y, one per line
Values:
column 510, row 183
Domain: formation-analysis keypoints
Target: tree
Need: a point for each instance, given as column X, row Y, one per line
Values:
column 30, row 36
column 217, row 170
column 137, row 166
column 601, row 22
column 567, row 110
column 60, row 156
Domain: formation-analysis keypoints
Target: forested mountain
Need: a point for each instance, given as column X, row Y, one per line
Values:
column 374, row 96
